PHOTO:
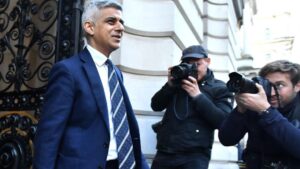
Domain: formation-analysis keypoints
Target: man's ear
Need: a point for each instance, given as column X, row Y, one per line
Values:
column 88, row 27
column 207, row 60
column 297, row 87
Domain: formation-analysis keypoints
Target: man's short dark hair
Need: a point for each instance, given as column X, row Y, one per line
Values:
column 283, row 66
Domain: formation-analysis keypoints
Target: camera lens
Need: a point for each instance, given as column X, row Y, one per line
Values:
column 183, row 71
column 238, row 84
column 178, row 72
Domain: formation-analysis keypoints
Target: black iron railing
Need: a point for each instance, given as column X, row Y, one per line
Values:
column 34, row 34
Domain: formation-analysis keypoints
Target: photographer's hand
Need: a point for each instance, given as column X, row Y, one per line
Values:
column 191, row 86
column 170, row 78
column 256, row 102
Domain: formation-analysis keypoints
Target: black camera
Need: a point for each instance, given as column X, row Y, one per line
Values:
column 183, row 71
column 238, row 84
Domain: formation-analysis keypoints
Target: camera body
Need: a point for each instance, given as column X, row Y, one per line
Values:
column 183, row 71
column 238, row 84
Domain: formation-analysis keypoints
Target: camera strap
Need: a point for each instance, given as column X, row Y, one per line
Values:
column 181, row 105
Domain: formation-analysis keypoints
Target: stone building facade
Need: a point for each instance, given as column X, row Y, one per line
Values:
column 156, row 33
column 34, row 34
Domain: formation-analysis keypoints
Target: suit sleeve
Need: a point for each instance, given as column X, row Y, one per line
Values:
column 232, row 129
column 282, row 131
column 54, row 117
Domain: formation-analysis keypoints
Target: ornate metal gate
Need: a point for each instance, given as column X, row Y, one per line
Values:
column 34, row 34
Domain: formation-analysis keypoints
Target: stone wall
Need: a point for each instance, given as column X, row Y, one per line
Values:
column 156, row 33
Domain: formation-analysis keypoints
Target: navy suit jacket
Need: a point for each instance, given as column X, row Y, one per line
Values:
column 73, row 131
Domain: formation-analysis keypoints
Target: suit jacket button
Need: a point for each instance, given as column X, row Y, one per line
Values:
column 105, row 145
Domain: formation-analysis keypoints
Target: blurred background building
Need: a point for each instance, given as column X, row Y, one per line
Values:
column 156, row 33
column 275, row 30
column 240, row 35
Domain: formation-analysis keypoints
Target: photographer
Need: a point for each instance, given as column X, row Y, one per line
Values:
column 196, row 103
column 272, row 123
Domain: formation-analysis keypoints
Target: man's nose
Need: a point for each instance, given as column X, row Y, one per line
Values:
column 120, row 27
column 273, row 91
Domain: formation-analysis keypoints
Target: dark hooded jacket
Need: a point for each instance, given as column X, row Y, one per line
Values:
column 188, row 124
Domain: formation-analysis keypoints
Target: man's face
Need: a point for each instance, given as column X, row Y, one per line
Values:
column 286, row 90
column 107, row 32
column 202, row 65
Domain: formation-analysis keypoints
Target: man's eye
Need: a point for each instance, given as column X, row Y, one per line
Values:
column 110, row 22
column 279, row 86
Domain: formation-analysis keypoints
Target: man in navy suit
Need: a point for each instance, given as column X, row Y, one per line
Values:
column 76, row 130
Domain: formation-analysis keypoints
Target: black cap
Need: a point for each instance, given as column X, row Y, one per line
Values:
column 195, row 51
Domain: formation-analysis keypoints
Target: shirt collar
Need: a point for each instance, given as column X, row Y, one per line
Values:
column 98, row 57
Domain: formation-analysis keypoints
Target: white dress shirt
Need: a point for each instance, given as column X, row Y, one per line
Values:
column 100, row 60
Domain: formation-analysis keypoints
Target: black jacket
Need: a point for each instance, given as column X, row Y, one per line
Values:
column 188, row 124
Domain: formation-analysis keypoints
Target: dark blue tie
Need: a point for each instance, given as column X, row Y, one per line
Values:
column 119, row 116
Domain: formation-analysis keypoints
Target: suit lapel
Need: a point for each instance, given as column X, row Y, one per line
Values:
column 95, row 83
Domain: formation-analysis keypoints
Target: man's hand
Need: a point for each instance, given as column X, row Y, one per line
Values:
column 191, row 86
column 257, row 102
column 170, row 78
